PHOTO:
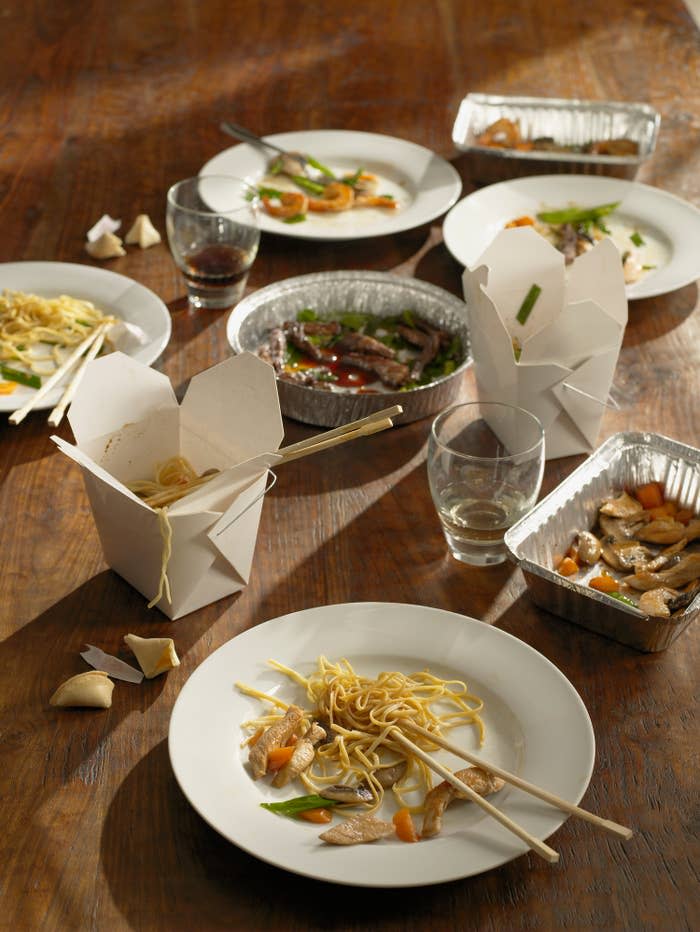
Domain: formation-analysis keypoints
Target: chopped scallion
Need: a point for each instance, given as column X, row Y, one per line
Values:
column 528, row 304
column 637, row 239
column 292, row 807
column 22, row 378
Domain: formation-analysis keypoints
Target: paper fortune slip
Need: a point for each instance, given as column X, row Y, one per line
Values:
column 126, row 420
column 559, row 363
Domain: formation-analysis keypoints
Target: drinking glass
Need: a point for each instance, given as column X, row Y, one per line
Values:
column 485, row 466
column 214, row 232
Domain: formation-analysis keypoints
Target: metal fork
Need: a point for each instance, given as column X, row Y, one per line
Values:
column 292, row 163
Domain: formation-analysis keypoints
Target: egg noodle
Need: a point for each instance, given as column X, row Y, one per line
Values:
column 36, row 331
column 359, row 714
column 174, row 478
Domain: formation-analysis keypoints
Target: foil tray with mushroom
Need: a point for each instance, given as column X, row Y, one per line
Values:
column 624, row 463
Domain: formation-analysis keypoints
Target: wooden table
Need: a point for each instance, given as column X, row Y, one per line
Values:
column 103, row 107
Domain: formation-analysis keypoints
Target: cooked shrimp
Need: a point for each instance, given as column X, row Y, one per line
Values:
column 369, row 200
column 286, row 204
column 364, row 183
column 503, row 134
column 336, row 196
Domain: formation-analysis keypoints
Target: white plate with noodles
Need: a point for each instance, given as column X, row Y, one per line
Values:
column 535, row 725
column 142, row 329
column 421, row 184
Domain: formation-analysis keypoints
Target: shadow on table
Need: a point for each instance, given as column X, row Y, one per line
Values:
column 651, row 318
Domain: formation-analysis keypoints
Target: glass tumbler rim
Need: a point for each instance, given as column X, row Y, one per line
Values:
column 253, row 202
column 486, row 459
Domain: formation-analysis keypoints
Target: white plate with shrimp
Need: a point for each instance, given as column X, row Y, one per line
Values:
column 536, row 726
column 667, row 228
column 419, row 184
column 142, row 330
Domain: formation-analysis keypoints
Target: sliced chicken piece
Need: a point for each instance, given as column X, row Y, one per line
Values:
column 620, row 528
column 624, row 554
column 358, row 831
column 656, row 602
column 388, row 776
column 589, row 548
column 669, row 531
column 686, row 570
column 273, row 737
column 663, row 559
column 623, row 507
column 439, row 798
column 302, row 756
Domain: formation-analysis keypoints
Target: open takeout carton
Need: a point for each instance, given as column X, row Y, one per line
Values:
column 126, row 419
column 559, row 363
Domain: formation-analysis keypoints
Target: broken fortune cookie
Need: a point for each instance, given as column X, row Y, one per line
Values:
column 92, row 689
column 143, row 232
column 108, row 246
column 155, row 655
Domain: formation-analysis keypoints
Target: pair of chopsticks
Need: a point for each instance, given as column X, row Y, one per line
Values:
column 549, row 854
column 91, row 346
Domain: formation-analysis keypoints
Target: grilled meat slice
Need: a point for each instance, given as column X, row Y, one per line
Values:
column 359, row 343
column 273, row 352
column 273, row 737
column 439, row 798
column 296, row 334
column 302, row 757
column 392, row 373
column 326, row 328
column 357, row 831
column 429, row 342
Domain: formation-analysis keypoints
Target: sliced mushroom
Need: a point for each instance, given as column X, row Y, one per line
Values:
column 347, row 794
column 589, row 548
column 619, row 528
column 686, row 570
column 388, row 776
column 623, row 507
column 656, row 602
column 684, row 599
column 623, row 554
column 669, row 531
column 664, row 559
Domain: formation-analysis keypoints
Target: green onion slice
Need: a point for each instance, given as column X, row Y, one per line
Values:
column 637, row 239
column 528, row 304
column 578, row 214
column 22, row 378
column 292, row 807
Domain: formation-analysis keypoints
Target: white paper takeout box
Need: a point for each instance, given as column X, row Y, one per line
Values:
column 126, row 419
column 570, row 341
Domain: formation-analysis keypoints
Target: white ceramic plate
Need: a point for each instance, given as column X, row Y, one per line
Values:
column 536, row 726
column 147, row 320
column 671, row 224
column 424, row 184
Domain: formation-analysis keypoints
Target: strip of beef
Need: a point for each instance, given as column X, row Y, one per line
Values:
column 422, row 324
column 359, row 343
column 302, row 756
column 392, row 373
column 429, row 343
column 273, row 352
column 357, row 831
column 439, row 798
column 327, row 328
column 273, row 737
column 297, row 337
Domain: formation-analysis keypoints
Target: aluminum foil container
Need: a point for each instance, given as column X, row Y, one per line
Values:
column 568, row 122
column 366, row 292
column 625, row 460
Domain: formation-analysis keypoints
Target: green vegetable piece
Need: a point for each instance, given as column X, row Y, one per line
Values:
column 264, row 192
column 22, row 378
column 648, row 268
column 407, row 318
column 307, row 314
column 320, row 167
column 296, row 218
column 528, row 304
column 313, row 187
column 637, row 239
column 577, row 214
column 623, row 598
column 354, row 321
column 352, row 180
column 292, row 807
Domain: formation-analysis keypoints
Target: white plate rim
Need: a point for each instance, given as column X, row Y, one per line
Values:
column 247, row 161
column 197, row 742
column 659, row 208
column 23, row 276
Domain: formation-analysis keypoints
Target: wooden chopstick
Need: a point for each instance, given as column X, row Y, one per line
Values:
column 325, row 442
column 60, row 409
column 539, row 847
column 66, row 366
column 343, row 429
column 613, row 827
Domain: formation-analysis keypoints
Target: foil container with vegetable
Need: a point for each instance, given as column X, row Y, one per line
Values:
column 626, row 461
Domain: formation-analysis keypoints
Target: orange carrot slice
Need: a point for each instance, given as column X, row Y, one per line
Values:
column 319, row 816
column 405, row 828
column 604, row 584
column 567, row 567
column 278, row 757
column 650, row 495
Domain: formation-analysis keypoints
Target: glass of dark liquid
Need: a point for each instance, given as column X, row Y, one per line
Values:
column 214, row 233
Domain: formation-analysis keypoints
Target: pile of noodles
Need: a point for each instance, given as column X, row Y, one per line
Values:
column 359, row 714
column 37, row 331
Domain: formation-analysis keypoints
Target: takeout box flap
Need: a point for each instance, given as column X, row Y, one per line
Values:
column 238, row 527
column 590, row 280
column 100, row 474
column 583, row 393
column 114, row 391
column 581, row 330
column 231, row 412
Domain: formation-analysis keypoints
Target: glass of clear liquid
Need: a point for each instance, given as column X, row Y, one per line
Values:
column 485, row 467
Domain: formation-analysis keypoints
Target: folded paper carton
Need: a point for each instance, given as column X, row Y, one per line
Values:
column 559, row 363
column 126, row 419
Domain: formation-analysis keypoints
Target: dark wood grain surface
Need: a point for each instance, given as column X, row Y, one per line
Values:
column 103, row 106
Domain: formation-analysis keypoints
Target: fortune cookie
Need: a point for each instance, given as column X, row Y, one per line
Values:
column 93, row 689
column 106, row 247
column 155, row 655
column 143, row 232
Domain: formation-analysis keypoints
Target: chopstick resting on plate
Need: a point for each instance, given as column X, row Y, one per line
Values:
column 613, row 827
column 60, row 409
column 19, row 415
